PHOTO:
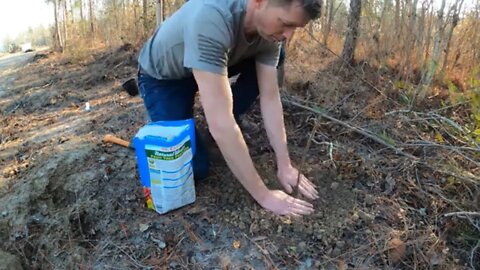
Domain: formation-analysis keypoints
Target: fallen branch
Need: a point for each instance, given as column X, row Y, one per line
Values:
column 476, row 214
column 356, row 129
column 456, row 149
column 470, row 178
column 432, row 144
column 433, row 116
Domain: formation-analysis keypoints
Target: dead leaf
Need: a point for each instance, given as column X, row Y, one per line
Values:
column 341, row 265
column 397, row 250
column 389, row 184
column 236, row 244
column 143, row 227
column 439, row 138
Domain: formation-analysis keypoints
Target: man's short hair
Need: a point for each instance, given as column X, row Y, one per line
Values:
column 312, row 8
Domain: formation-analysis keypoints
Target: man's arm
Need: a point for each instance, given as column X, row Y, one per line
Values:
column 216, row 99
column 272, row 113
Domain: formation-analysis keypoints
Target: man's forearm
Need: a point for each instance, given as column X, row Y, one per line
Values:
column 216, row 98
column 272, row 113
column 235, row 151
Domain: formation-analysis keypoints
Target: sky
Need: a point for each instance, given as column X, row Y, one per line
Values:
column 16, row 16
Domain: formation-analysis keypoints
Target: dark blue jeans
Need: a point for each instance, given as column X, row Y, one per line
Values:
column 167, row 100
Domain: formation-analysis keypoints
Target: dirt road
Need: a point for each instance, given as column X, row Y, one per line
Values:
column 9, row 62
column 15, row 60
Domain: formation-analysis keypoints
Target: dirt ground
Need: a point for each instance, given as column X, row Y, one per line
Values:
column 69, row 201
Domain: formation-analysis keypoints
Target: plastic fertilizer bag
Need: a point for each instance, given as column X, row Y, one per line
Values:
column 164, row 152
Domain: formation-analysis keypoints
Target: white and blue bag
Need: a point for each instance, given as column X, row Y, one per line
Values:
column 164, row 151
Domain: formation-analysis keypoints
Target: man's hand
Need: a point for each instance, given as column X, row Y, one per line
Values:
column 288, row 177
column 272, row 113
column 281, row 203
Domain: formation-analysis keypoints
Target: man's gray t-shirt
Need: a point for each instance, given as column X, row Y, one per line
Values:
column 207, row 35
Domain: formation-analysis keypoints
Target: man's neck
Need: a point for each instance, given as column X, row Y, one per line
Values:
column 248, row 23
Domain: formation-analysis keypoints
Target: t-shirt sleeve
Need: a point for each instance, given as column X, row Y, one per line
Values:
column 269, row 54
column 207, row 40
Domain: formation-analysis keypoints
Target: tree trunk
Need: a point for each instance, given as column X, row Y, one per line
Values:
column 432, row 67
column 348, row 52
column 327, row 25
column 65, row 22
column 455, row 18
column 407, row 64
column 382, row 45
column 57, row 43
column 71, row 15
column 159, row 12
column 145, row 18
column 90, row 14
column 135, row 16
column 330, row 14
column 428, row 35
column 82, row 17
column 117, row 26
column 421, row 38
column 398, row 25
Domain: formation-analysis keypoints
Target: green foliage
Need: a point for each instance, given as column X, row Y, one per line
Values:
column 401, row 84
column 38, row 36
column 407, row 93
column 387, row 139
column 77, row 4
column 455, row 95
column 463, row 230
column 405, row 99
column 474, row 79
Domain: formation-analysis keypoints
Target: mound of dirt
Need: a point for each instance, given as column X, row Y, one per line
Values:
column 9, row 261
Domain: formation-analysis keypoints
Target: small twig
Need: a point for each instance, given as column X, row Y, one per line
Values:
column 397, row 111
column 173, row 249
column 192, row 235
column 138, row 264
column 434, row 189
column 330, row 150
column 330, row 153
column 418, row 179
column 16, row 107
column 264, row 252
column 304, row 155
column 476, row 214
column 78, row 216
column 472, row 254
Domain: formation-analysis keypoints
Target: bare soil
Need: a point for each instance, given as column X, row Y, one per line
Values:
column 69, row 201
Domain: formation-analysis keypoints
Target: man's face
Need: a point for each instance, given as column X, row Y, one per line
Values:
column 277, row 23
